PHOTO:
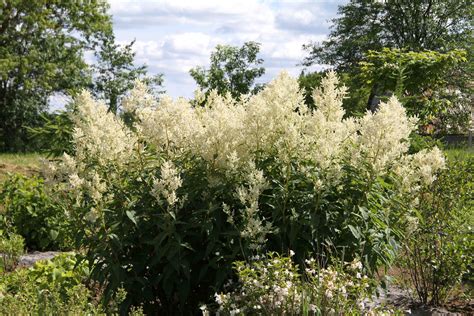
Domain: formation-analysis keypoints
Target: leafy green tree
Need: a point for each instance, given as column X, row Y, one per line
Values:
column 233, row 69
column 307, row 82
column 419, row 79
column 54, row 135
column 115, row 72
column 414, row 25
column 41, row 53
column 418, row 26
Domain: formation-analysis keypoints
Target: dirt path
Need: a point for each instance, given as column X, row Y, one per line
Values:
column 399, row 298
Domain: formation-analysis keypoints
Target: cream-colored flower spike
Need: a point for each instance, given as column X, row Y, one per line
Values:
column 99, row 133
column 328, row 98
column 383, row 135
column 229, row 136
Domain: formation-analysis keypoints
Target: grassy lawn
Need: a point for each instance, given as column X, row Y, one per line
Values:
column 459, row 153
column 19, row 163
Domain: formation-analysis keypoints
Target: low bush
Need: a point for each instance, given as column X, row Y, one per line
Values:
column 55, row 287
column 54, row 134
column 164, row 208
column 48, row 288
column 439, row 246
column 28, row 210
column 419, row 142
column 11, row 248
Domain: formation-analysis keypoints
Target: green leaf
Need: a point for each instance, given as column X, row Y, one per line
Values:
column 355, row 231
column 131, row 216
column 53, row 234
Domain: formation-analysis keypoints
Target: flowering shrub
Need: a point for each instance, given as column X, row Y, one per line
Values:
column 272, row 286
column 165, row 206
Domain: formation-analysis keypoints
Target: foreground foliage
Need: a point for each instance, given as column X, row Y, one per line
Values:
column 11, row 248
column 59, row 286
column 165, row 207
column 49, row 288
column 29, row 210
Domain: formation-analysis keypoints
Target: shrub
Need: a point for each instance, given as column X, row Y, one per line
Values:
column 62, row 272
column 419, row 142
column 48, row 288
column 29, row 211
column 439, row 246
column 272, row 285
column 55, row 287
column 165, row 207
column 11, row 248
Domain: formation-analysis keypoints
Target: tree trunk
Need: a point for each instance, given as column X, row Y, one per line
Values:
column 373, row 102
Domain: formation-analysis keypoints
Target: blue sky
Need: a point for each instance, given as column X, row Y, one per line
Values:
column 174, row 36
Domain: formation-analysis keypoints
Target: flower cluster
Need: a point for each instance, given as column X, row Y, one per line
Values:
column 100, row 134
column 420, row 169
column 339, row 288
column 253, row 229
column 231, row 135
column 384, row 135
column 167, row 185
column 270, row 286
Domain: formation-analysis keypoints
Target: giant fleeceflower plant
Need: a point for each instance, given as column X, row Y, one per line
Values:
column 220, row 182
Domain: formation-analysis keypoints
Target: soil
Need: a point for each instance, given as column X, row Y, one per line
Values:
column 400, row 299
column 6, row 168
column 396, row 295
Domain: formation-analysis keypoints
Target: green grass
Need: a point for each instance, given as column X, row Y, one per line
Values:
column 459, row 153
column 24, row 160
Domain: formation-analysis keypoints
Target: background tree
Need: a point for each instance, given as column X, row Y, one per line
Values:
column 420, row 26
column 415, row 25
column 233, row 69
column 41, row 52
column 421, row 80
column 115, row 72
column 307, row 82
column 355, row 31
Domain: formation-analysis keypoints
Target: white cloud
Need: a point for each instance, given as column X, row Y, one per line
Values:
column 299, row 18
column 174, row 36
column 189, row 43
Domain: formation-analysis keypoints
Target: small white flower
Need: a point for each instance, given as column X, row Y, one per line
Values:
column 204, row 310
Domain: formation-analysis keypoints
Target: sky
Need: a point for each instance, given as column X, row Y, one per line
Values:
column 174, row 36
